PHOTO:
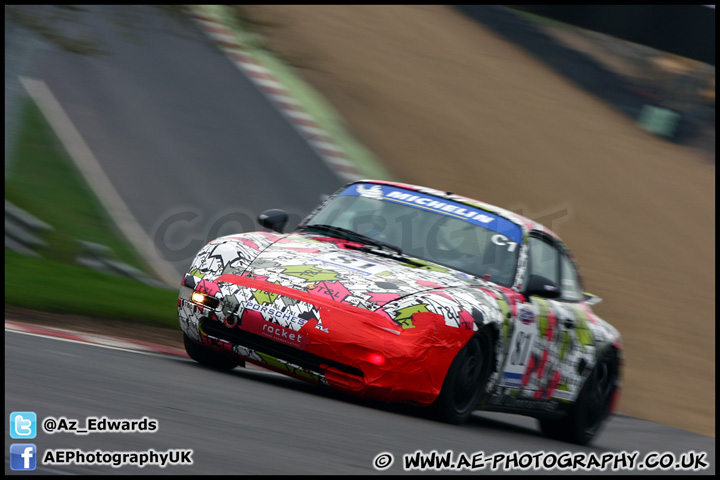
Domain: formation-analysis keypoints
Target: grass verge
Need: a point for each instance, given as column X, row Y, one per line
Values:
column 52, row 286
column 44, row 181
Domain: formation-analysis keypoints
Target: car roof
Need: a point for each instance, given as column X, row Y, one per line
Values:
column 527, row 225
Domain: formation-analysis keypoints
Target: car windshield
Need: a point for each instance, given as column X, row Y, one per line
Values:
column 423, row 226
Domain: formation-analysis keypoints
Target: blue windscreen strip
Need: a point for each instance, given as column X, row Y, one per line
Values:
column 438, row 205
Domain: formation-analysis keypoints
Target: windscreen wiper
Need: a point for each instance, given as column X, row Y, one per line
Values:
column 348, row 234
column 395, row 252
column 371, row 245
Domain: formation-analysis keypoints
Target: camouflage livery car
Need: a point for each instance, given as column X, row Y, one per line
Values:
column 408, row 294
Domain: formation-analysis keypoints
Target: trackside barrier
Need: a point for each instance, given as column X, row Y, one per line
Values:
column 23, row 234
column 101, row 258
column 23, row 231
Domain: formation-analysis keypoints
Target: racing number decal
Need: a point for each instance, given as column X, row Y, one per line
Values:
column 524, row 336
column 520, row 349
column 358, row 265
column 503, row 241
column 353, row 262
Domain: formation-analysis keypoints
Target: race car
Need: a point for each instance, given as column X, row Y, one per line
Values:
column 403, row 293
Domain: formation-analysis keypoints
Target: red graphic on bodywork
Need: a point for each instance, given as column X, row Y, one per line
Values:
column 249, row 243
column 270, row 236
column 537, row 367
column 303, row 250
column 440, row 293
column 207, row 287
column 339, row 242
column 429, row 284
column 383, row 298
column 551, row 325
column 588, row 312
column 415, row 362
column 332, row 290
column 466, row 320
column 547, row 390
column 530, row 369
column 541, row 365
column 246, row 242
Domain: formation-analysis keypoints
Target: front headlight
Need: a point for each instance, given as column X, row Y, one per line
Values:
column 205, row 300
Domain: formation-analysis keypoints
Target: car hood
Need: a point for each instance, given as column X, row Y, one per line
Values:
column 331, row 268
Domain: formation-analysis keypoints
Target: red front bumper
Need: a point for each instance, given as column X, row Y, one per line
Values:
column 392, row 364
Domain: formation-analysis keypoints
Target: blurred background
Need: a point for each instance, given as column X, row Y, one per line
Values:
column 131, row 140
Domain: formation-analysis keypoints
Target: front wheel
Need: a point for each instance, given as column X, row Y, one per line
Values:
column 465, row 381
column 592, row 407
column 209, row 357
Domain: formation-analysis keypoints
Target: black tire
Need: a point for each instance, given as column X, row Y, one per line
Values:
column 587, row 417
column 209, row 357
column 463, row 387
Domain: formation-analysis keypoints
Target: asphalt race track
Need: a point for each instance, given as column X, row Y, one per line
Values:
column 178, row 129
column 254, row 422
column 192, row 146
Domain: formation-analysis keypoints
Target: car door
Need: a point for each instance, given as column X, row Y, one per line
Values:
column 545, row 342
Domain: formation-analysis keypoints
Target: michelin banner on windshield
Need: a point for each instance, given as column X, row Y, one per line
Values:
column 441, row 206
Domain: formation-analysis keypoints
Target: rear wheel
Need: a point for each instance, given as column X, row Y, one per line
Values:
column 463, row 386
column 592, row 407
column 209, row 357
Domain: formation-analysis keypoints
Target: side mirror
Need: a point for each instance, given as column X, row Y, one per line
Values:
column 273, row 219
column 542, row 287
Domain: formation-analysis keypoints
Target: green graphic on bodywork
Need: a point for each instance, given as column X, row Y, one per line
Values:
column 262, row 297
column 505, row 313
column 543, row 310
column 565, row 344
column 274, row 362
column 562, row 387
column 309, row 272
column 504, row 308
column 505, row 327
column 404, row 318
column 584, row 334
column 478, row 206
column 506, row 331
column 300, row 238
column 429, row 266
column 197, row 273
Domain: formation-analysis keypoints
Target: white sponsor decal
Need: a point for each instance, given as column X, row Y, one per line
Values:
column 450, row 208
